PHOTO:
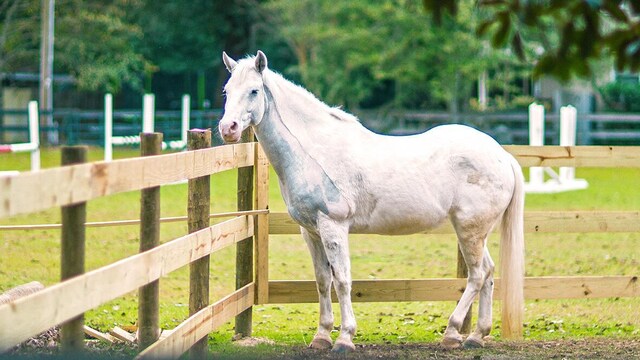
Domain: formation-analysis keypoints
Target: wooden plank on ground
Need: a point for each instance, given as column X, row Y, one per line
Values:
column 200, row 325
column 553, row 287
column 534, row 222
column 576, row 156
column 99, row 335
column 31, row 315
column 35, row 191
column 122, row 334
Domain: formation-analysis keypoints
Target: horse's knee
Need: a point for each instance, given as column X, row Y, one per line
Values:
column 342, row 286
column 475, row 283
column 323, row 283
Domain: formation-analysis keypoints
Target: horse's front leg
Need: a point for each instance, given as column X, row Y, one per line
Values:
column 335, row 238
column 322, row 338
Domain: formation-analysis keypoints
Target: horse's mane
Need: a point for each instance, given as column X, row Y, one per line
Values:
column 282, row 88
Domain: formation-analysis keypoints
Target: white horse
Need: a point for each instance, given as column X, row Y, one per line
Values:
column 338, row 177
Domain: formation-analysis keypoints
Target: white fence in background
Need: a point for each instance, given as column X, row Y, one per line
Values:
column 564, row 180
column 33, row 146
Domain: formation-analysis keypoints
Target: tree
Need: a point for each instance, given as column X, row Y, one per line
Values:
column 571, row 34
column 187, row 38
column 351, row 52
column 93, row 42
column 19, row 44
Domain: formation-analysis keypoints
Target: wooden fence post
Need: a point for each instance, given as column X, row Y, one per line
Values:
column 198, row 215
column 148, row 295
column 73, row 251
column 463, row 272
column 244, row 249
column 261, row 231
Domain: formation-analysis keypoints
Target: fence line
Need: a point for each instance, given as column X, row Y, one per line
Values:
column 130, row 222
column 574, row 221
column 29, row 192
column 450, row 289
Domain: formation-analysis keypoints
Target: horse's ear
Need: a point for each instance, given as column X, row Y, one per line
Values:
column 228, row 62
column 261, row 61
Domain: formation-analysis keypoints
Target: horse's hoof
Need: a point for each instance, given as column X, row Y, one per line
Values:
column 451, row 343
column 320, row 343
column 343, row 347
column 473, row 343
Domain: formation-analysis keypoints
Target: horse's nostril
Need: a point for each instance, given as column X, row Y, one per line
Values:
column 234, row 126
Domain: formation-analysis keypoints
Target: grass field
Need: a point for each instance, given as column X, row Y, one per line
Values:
column 34, row 255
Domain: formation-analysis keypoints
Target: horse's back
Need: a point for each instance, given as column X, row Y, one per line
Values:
column 449, row 171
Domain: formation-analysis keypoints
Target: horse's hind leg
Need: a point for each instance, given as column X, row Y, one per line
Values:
column 322, row 338
column 472, row 248
column 483, row 326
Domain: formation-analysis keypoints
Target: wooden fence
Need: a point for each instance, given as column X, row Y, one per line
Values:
column 76, row 184
column 552, row 287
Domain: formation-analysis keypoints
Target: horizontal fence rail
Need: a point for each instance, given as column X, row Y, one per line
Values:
column 130, row 221
column 28, row 316
column 576, row 156
column 280, row 223
column 35, row 191
column 381, row 290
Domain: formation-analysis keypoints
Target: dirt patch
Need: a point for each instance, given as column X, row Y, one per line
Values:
column 564, row 349
column 600, row 348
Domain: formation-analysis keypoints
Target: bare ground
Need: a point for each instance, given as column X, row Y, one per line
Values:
column 563, row 349
column 592, row 348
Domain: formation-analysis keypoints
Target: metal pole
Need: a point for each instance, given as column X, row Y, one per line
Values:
column 186, row 115
column 148, row 113
column 34, row 135
column 108, row 127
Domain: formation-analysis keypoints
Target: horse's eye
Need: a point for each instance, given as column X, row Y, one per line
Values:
column 254, row 92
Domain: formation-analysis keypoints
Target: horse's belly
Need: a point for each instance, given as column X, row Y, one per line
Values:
column 398, row 221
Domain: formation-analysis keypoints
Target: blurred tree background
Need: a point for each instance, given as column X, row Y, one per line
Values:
column 389, row 54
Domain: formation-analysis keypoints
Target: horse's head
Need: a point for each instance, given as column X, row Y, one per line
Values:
column 245, row 103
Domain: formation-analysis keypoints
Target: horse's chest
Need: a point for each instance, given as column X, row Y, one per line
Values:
column 306, row 196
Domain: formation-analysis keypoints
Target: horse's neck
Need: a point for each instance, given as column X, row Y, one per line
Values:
column 288, row 132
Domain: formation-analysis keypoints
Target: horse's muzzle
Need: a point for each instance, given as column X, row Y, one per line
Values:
column 230, row 131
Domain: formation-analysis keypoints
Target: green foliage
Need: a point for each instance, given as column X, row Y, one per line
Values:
column 571, row 34
column 94, row 43
column 19, row 39
column 622, row 96
column 349, row 52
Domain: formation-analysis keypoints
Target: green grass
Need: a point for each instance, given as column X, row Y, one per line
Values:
column 34, row 255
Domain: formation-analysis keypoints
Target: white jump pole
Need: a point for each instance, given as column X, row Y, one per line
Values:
column 34, row 135
column 186, row 115
column 108, row 127
column 536, row 138
column 568, row 115
column 148, row 115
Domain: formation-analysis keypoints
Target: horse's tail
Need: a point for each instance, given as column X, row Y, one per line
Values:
column 512, row 259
